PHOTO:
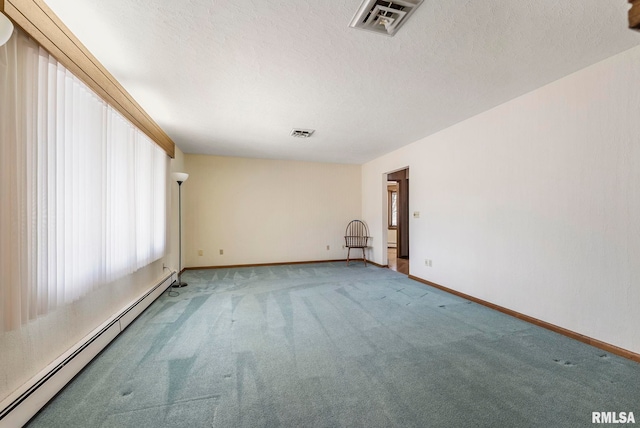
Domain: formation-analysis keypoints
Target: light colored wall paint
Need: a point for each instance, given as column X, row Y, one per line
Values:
column 266, row 211
column 26, row 351
column 535, row 204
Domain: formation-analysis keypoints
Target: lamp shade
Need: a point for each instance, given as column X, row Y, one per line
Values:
column 180, row 177
column 6, row 29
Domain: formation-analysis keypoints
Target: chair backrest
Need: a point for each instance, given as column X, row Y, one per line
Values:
column 357, row 234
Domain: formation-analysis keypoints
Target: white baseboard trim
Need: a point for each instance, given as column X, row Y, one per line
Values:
column 17, row 409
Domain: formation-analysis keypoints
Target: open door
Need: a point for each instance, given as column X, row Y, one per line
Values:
column 402, row 178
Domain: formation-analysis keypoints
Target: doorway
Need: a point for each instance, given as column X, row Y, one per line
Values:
column 398, row 215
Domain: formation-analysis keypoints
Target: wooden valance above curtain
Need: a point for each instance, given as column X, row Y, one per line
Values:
column 39, row 21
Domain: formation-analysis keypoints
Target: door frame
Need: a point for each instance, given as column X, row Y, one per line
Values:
column 402, row 178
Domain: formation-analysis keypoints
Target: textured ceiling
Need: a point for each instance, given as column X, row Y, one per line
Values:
column 233, row 77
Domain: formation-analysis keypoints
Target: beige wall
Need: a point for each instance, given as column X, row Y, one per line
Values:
column 26, row 351
column 533, row 205
column 266, row 211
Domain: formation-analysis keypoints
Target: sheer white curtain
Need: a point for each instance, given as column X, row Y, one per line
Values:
column 83, row 192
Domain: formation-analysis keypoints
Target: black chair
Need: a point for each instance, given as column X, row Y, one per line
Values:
column 356, row 236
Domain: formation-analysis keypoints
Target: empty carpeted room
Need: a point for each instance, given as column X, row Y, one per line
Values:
column 177, row 181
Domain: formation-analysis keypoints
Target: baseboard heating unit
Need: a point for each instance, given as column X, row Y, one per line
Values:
column 17, row 409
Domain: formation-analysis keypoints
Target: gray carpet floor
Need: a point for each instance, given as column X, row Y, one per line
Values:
column 326, row 345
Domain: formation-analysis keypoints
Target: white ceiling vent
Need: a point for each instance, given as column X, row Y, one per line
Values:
column 384, row 17
column 302, row 133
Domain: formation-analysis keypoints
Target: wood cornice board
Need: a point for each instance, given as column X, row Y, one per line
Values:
column 563, row 331
column 37, row 20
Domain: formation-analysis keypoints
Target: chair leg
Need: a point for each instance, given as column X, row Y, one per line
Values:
column 364, row 257
column 348, row 252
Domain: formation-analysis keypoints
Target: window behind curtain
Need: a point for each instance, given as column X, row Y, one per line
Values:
column 83, row 192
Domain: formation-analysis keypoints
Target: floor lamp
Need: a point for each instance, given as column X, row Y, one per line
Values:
column 180, row 177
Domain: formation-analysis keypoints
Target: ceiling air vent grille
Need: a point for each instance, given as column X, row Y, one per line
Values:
column 302, row 133
column 384, row 17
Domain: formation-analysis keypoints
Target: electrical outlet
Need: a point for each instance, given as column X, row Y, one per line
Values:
column 200, row 252
column 416, row 214
column 328, row 247
column 428, row 262
column 221, row 252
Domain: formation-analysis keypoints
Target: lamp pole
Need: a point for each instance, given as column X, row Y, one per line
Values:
column 180, row 177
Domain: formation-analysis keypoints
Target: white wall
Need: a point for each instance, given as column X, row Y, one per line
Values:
column 535, row 204
column 266, row 211
column 26, row 351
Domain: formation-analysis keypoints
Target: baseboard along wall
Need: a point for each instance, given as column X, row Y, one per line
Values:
column 560, row 330
column 17, row 409
column 282, row 264
column 272, row 264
